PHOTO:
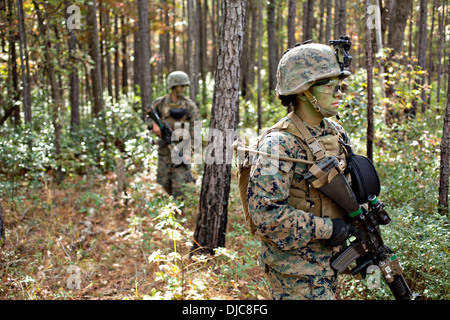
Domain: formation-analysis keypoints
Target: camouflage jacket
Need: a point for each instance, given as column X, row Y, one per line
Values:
column 164, row 105
column 294, row 239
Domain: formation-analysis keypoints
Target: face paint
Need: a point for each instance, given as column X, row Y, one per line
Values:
column 327, row 96
column 329, row 87
column 180, row 91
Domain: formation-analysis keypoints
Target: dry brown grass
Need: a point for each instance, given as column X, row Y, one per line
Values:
column 53, row 232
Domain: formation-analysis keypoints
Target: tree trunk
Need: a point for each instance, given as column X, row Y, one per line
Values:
column 321, row 21
column 253, row 35
column 49, row 65
column 73, row 80
column 329, row 19
column 245, row 61
column 423, row 47
column 441, row 44
column 399, row 16
column 136, row 62
column 95, row 55
column 292, row 10
column 174, row 39
column 26, row 94
column 260, row 32
column 445, row 157
column 203, row 61
column 342, row 18
column 308, row 16
column 13, row 86
column 14, row 90
column 107, row 54
column 379, row 41
column 213, row 206
column 272, row 46
column 124, row 59
column 116, row 59
column 337, row 18
column 193, row 89
column 369, row 85
column 430, row 51
column 144, row 48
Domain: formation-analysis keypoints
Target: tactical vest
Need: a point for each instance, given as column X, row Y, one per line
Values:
column 302, row 195
column 306, row 197
column 173, row 114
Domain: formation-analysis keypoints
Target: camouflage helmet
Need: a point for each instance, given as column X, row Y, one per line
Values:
column 303, row 65
column 177, row 78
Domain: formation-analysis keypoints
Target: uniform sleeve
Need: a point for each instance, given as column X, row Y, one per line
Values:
column 268, row 202
column 155, row 106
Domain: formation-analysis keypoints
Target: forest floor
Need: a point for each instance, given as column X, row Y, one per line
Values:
column 77, row 241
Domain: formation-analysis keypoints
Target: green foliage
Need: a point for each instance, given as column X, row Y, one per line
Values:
column 92, row 148
column 406, row 155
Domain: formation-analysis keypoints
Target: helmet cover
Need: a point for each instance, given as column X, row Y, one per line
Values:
column 177, row 78
column 305, row 64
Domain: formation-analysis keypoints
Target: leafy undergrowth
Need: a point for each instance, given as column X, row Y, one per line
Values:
column 78, row 241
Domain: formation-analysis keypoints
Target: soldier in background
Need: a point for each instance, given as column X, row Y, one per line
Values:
column 179, row 112
column 299, row 226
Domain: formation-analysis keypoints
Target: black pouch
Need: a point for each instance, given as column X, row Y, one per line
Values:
column 365, row 178
column 177, row 113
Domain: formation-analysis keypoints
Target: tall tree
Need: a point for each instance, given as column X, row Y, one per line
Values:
column 25, row 66
column 397, row 26
column 107, row 38
column 193, row 75
column 445, row 156
column 259, row 63
column 337, row 18
column 321, row 21
column 144, row 55
column 369, row 68
column 441, row 45
column 213, row 207
column 50, row 63
column 272, row 46
column 13, row 88
column 421, row 57
column 124, row 57
column 254, row 36
column 116, row 58
column 73, row 78
column 308, row 19
column 329, row 19
column 342, row 18
column 97, row 94
column 292, row 14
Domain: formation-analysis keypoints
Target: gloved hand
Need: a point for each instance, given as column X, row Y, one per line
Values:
column 341, row 231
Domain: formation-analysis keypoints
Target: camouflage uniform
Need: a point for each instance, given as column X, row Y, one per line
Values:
column 169, row 175
column 292, row 218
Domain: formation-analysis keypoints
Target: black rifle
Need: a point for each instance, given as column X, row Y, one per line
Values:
column 166, row 136
column 369, row 249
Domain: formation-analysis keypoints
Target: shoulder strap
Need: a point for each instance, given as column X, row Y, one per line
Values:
column 316, row 146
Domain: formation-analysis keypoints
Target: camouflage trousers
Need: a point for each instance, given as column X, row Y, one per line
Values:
column 170, row 176
column 302, row 287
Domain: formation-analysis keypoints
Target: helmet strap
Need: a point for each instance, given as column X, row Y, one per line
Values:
column 316, row 105
column 313, row 100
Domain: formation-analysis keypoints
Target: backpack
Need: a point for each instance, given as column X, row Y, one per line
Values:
column 244, row 165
